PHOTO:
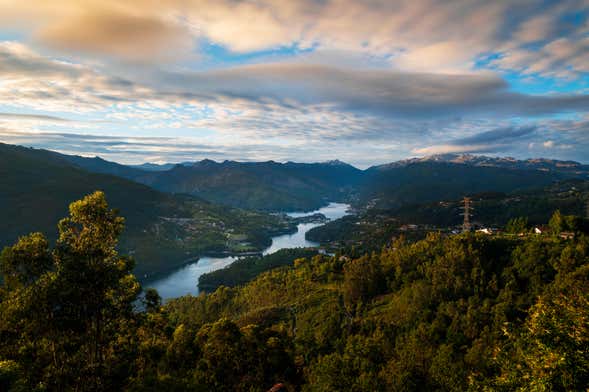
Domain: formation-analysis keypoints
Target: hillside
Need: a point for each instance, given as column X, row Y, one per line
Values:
column 433, row 315
column 162, row 230
column 371, row 228
column 268, row 186
column 273, row 186
column 448, row 313
column 419, row 182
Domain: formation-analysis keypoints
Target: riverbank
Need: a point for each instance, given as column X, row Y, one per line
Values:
column 184, row 280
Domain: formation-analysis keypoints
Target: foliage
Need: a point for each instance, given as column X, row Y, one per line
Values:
column 446, row 313
column 246, row 269
column 62, row 308
column 517, row 225
column 162, row 230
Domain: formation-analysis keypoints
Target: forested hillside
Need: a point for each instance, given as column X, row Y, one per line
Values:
column 268, row 186
column 453, row 313
column 373, row 226
column 290, row 186
column 420, row 182
column 162, row 230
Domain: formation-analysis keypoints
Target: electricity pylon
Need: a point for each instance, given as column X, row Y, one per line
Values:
column 466, row 213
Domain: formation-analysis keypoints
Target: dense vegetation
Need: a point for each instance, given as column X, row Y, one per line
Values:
column 370, row 228
column 267, row 186
column 290, row 186
column 246, row 269
column 465, row 312
column 162, row 230
column 390, row 187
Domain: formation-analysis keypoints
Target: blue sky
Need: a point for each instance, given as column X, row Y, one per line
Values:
column 367, row 82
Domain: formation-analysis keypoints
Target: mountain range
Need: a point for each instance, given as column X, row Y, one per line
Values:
column 178, row 212
column 272, row 186
column 543, row 164
column 162, row 230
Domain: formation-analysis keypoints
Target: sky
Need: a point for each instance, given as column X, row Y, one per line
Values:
column 363, row 81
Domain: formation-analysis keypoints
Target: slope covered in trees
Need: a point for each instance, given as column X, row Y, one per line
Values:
column 290, row 186
column 374, row 227
column 268, row 186
column 465, row 312
column 420, row 182
column 162, row 230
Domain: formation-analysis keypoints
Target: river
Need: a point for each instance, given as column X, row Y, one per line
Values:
column 184, row 280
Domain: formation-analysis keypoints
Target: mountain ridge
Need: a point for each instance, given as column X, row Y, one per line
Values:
column 293, row 186
column 162, row 230
column 484, row 160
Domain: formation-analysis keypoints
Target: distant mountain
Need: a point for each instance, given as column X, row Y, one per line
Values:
column 290, row 186
column 420, row 181
column 154, row 166
column 268, row 186
column 98, row 165
column 571, row 168
column 265, row 186
column 162, row 230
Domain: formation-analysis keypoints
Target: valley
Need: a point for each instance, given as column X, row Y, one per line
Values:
column 372, row 271
column 185, row 280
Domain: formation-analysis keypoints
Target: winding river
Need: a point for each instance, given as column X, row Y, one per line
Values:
column 184, row 280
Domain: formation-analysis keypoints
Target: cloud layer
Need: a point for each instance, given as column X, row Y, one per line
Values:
column 369, row 81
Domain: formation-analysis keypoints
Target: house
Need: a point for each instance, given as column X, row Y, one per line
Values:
column 485, row 230
column 541, row 229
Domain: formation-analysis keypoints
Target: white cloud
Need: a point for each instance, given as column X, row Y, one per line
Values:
column 428, row 35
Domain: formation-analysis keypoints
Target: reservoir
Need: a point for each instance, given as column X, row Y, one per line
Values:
column 184, row 280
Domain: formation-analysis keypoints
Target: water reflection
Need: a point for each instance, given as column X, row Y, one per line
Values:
column 184, row 280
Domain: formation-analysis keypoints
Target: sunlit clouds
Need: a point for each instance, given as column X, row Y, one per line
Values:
column 363, row 81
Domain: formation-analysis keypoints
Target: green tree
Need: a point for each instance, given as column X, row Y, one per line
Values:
column 363, row 279
column 65, row 309
column 517, row 225
column 551, row 351
column 23, row 263
column 152, row 300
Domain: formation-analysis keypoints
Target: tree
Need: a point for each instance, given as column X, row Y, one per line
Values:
column 152, row 300
column 517, row 225
column 67, row 307
column 23, row 263
column 363, row 279
column 551, row 351
column 556, row 222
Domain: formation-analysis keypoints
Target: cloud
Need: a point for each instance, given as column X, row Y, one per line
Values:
column 499, row 135
column 424, row 35
column 554, row 138
column 287, row 110
column 563, row 57
column 32, row 117
column 136, row 150
column 451, row 149
column 114, row 32
column 306, row 97
column 492, row 141
column 386, row 93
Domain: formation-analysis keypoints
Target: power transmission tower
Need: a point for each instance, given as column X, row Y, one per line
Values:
column 466, row 213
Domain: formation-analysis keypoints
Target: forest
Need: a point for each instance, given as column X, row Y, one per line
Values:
column 459, row 312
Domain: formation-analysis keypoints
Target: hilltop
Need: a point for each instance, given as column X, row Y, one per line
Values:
column 162, row 230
